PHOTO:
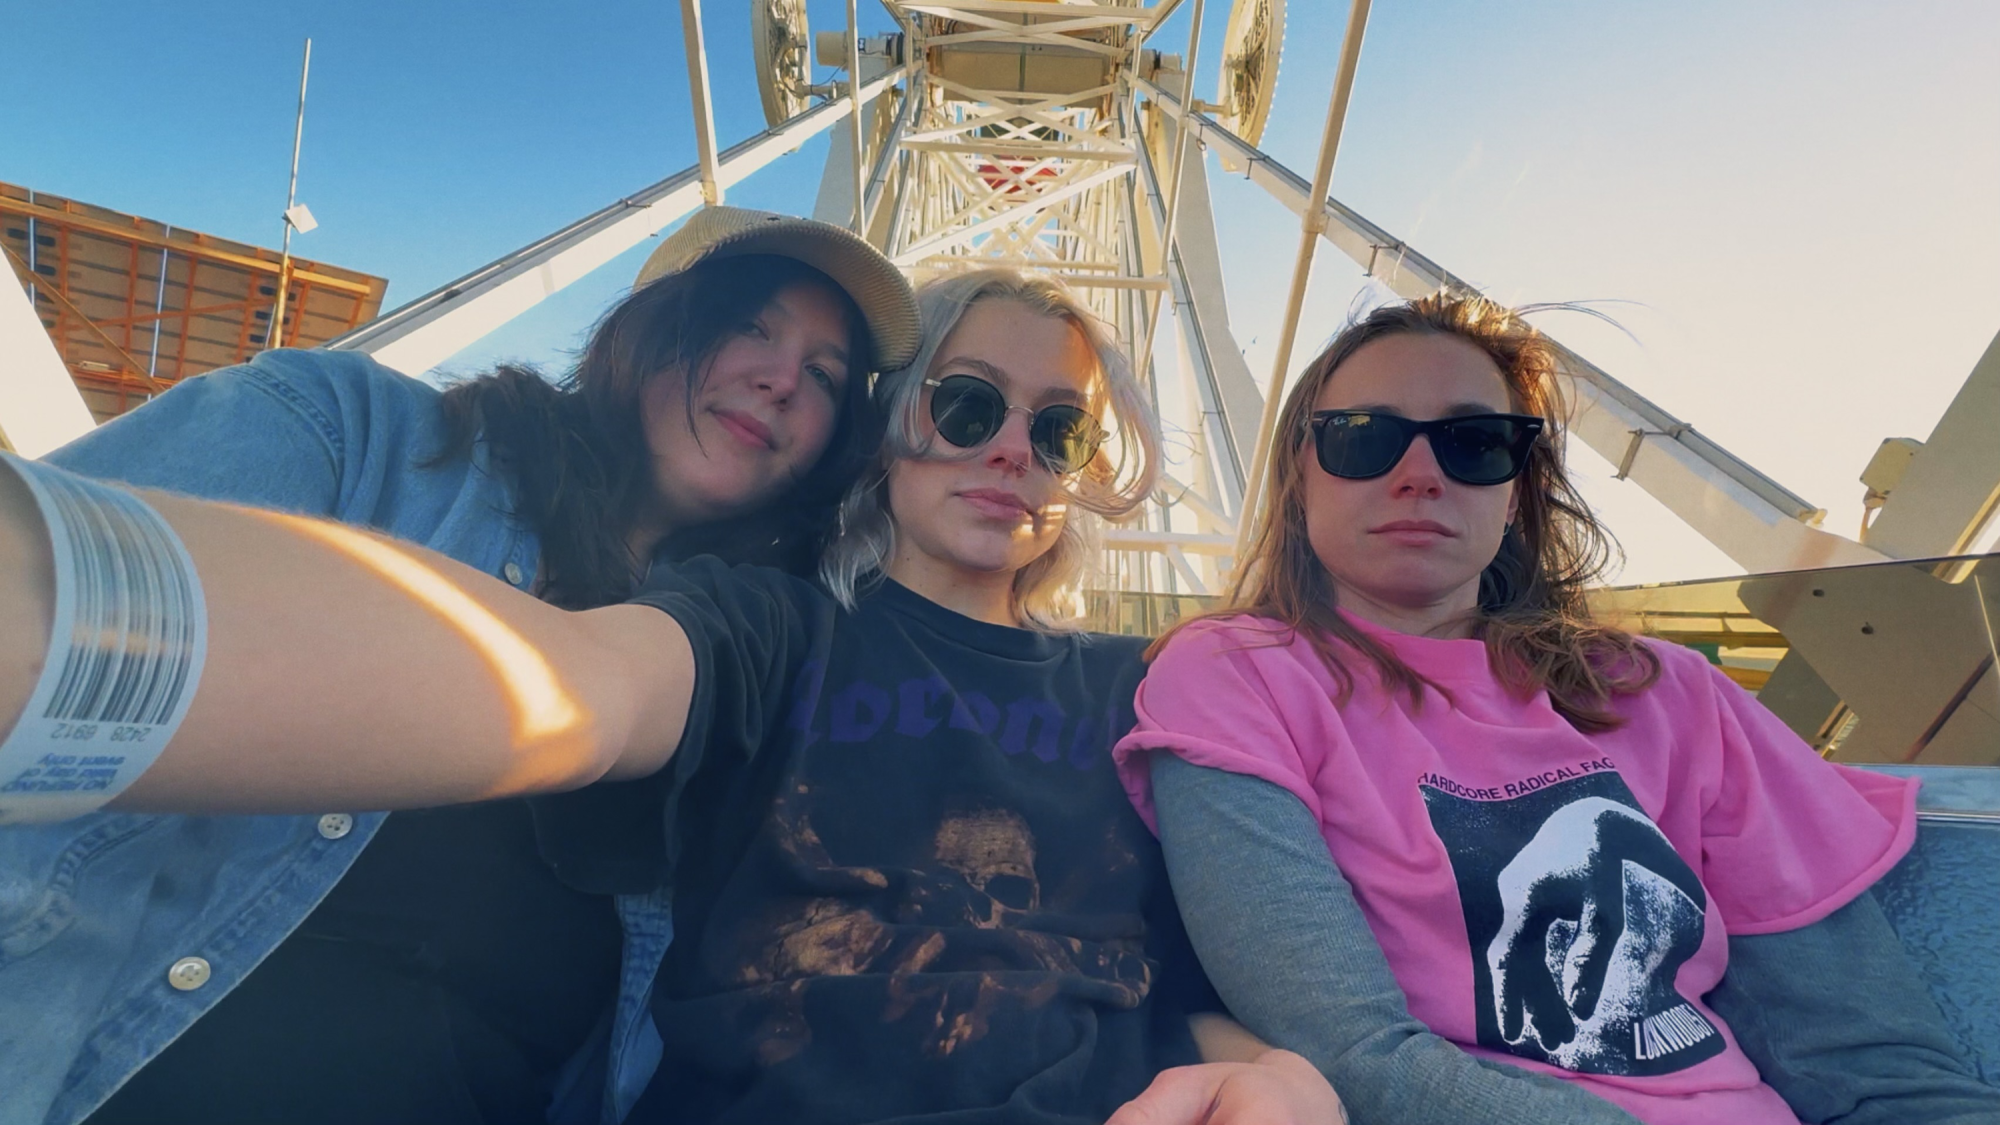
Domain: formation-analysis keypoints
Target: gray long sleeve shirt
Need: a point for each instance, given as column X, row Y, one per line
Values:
column 1287, row 947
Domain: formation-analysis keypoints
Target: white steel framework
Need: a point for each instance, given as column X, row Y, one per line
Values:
column 1042, row 135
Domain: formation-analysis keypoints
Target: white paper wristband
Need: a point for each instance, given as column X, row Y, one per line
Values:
column 125, row 653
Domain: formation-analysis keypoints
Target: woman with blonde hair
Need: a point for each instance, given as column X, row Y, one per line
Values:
column 1477, row 856
column 903, row 878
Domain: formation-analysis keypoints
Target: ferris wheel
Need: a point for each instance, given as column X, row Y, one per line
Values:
column 1065, row 137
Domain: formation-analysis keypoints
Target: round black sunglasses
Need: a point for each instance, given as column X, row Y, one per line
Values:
column 1471, row 448
column 968, row 411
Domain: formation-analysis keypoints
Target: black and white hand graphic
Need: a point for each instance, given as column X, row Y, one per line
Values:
column 1581, row 914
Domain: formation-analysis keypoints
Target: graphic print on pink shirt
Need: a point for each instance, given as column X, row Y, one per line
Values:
column 1580, row 914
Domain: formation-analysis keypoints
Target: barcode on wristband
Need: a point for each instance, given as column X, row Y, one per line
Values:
column 125, row 651
column 132, row 645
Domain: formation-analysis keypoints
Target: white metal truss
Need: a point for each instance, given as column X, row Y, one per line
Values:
column 1038, row 134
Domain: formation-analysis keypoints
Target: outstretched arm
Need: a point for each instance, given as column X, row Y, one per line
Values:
column 1839, row 1022
column 349, row 670
column 1286, row 946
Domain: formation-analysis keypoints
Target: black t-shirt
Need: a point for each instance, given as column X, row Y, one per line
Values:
column 446, row 979
column 907, row 883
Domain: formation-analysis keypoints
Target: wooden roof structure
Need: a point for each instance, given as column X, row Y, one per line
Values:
column 135, row 305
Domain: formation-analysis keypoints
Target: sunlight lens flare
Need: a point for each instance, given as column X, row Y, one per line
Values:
column 543, row 709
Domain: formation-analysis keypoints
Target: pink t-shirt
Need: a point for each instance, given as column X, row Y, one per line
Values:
column 1547, row 898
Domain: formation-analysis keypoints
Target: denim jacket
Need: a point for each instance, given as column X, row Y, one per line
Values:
column 119, row 930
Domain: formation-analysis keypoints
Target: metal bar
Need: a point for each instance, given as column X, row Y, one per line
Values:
column 187, row 322
column 424, row 332
column 131, row 290
column 1191, row 542
column 247, row 318
column 854, row 97
column 298, row 315
column 148, row 317
column 1035, row 206
column 1022, row 148
column 1075, row 279
column 952, row 8
column 908, row 165
column 1050, row 38
column 1310, row 226
column 60, row 290
column 159, row 307
column 276, row 331
column 704, row 112
column 1152, row 325
column 891, row 145
column 1221, row 450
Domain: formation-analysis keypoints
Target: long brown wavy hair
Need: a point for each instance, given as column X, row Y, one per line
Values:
column 576, row 448
column 1532, row 616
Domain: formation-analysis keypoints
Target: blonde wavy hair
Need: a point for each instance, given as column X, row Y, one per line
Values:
column 1532, row 615
column 1111, row 486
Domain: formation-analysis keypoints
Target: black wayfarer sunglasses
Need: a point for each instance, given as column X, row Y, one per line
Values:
column 968, row 411
column 1476, row 449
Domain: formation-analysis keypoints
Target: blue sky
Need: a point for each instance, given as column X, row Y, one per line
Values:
column 1794, row 205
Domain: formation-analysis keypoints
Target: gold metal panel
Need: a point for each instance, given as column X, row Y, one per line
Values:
column 135, row 305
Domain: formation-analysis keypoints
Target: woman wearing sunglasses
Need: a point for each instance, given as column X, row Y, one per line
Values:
column 905, row 881
column 1478, row 857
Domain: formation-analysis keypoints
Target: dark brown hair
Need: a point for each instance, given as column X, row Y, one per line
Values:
column 1532, row 615
column 576, row 448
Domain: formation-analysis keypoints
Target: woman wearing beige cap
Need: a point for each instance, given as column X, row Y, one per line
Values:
column 720, row 408
column 906, row 884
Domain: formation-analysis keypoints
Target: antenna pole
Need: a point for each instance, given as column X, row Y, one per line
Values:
column 274, row 336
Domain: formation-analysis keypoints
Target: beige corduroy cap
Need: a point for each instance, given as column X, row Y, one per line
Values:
column 878, row 288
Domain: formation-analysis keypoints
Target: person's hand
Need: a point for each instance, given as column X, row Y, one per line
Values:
column 1279, row 1088
column 1564, row 898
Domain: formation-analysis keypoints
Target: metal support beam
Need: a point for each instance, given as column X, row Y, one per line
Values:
column 40, row 407
column 1757, row 522
column 701, row 109
column 1227, row 391
column 855, row 106
column 938, row 244
column 885, row 160
column 1188, row 542
column 1179, row 161
column 428, row 330
column 1115, row 13
column 1946, row 501
column 1311, row 222
column 1035, row 150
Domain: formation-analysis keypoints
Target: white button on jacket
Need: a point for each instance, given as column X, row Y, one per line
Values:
column 188, row 974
